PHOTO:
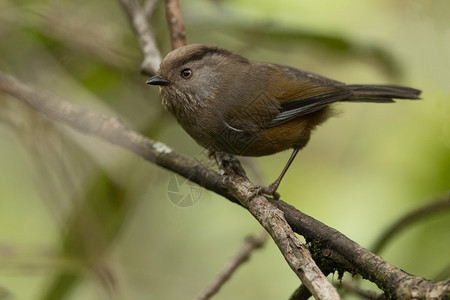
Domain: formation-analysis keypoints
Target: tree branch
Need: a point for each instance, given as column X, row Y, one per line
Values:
column 364, row 294
column 301, row 293
column 272, row 219
column 149, row 7
column 250, row 245
column 176, row 24
column 408, row 219
column 337, row 251
column 112, row 130
column 147, row 43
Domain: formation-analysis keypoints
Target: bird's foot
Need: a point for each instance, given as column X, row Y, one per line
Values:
column 270, row 190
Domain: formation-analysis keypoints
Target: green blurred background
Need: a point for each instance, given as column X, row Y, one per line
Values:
column 83, row 219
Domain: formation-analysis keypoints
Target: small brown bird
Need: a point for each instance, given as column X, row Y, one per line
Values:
column 230, row 104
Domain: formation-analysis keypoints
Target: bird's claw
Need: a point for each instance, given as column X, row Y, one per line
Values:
column 270, row 190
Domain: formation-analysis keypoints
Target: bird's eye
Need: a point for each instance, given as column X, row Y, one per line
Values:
column 186, row 73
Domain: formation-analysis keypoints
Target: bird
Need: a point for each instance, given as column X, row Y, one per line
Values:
column 228, row 103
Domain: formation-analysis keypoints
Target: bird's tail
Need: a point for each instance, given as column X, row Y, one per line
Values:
column 382, row 93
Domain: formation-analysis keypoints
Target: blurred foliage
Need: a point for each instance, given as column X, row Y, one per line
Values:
column 82, row 219
column 272, row 36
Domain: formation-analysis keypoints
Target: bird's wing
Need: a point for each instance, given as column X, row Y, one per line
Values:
column 303, row 93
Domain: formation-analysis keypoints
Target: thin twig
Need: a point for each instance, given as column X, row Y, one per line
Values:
column 301, row 293
column 250, row 245
column 176, row 24
column 147, row 43
column 356, row 289
column 149, row 7
column 410, row 218
column 5, row 294
column 60, row 23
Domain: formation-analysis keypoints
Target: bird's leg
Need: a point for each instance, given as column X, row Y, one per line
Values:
column 228, row 163
column 272, row 189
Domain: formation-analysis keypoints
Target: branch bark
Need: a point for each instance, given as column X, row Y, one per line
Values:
column 149, row 7
column 272, row 219
column 339, row 252
column 176, row 24
column 147, row 43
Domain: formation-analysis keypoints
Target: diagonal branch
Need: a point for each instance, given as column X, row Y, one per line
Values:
column 112, row 130
column 411, row 217
column 250, row 245
column 272, row 219
column 346, row 255
column 353, row 287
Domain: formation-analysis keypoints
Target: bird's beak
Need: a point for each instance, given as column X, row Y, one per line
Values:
column 157, row 80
